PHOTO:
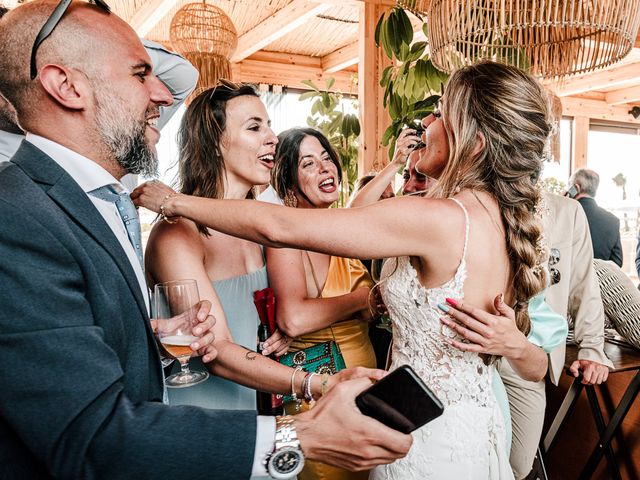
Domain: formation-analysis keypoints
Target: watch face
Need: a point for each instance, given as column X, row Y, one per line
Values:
column 285, row 463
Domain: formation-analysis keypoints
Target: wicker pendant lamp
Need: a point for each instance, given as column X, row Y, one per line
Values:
column 206, row 36
column 417, row 7
column 549, row 38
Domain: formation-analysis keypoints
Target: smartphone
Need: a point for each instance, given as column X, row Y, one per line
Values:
column 419, row 144
column 572, row 192
column 401, row 401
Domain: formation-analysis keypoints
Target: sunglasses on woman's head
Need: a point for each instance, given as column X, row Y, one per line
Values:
column 554, row 259
column 228, row 84
column 224, row 84
column 51, row 23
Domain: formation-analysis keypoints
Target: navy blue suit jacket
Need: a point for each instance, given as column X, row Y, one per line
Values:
column 605, row 231
column 81, row 392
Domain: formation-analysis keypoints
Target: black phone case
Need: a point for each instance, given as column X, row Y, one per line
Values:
column 401, row 401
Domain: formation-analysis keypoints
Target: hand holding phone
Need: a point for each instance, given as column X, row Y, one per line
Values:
column 401, row 401
column 572, row 192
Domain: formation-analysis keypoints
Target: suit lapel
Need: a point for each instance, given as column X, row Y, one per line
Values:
column 68, row 195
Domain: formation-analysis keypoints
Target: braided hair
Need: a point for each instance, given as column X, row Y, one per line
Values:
column 511, row 111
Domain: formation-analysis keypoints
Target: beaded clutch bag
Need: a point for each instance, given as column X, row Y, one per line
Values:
column 325, row 357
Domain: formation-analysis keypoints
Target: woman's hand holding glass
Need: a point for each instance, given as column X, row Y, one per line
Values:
column 183, row 327
column 203, row 345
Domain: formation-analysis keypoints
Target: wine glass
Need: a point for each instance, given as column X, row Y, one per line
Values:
column 174, row 311
column 376, row 269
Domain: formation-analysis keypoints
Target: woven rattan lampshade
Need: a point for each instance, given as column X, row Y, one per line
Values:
column 549, row 38
column 205, row 35
column 417, row 7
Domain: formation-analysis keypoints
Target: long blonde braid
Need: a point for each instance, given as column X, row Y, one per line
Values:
column 508, row 110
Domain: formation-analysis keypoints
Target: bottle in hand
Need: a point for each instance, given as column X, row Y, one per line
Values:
column 268, row 403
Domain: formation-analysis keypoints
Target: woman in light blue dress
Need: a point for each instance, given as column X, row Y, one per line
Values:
column 226, row 148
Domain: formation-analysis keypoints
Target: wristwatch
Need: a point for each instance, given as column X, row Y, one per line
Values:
column 286, row 460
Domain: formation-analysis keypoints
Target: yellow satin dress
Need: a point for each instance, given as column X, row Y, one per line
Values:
column 352, row 335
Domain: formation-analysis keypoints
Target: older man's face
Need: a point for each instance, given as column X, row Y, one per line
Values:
column 127, row 97
column 414, row 181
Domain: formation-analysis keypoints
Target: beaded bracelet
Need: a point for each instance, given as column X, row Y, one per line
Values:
column 162, row 207
column 308, row 396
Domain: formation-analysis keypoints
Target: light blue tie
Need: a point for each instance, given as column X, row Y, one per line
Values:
column 128, row 214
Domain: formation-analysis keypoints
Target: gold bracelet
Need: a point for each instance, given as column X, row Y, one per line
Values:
column 162, row 207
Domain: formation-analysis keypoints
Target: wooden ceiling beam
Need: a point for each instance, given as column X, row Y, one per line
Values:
column 285, row 20
column 340, row 59
column 288, row 58
column 626, row 95
column 348, row 55
column 290, row 75
column 618, row 76
column 150, row 14
column 598, row 109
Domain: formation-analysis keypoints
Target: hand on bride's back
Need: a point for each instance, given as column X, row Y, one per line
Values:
column 484, row 332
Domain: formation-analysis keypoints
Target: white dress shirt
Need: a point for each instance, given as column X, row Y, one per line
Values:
column 9, row 143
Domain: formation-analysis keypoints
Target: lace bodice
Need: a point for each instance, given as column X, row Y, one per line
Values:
column 454, row 376
column 468, row 441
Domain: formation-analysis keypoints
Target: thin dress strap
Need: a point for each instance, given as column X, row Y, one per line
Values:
column 318, row 288
column 466, row 228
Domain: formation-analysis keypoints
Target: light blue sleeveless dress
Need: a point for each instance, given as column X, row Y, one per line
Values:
column 236, row 297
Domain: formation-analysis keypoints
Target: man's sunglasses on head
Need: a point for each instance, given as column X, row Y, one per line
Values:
column 51, row 23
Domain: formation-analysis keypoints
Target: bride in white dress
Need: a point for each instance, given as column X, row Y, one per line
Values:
column 469, row 439
column 474, row 234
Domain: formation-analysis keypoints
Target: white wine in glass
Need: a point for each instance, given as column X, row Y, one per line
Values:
column 175, row 306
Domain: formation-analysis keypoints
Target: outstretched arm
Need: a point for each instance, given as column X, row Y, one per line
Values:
column 373, row 190
column 385, row 229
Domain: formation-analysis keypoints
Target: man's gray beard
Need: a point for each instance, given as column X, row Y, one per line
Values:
column 125, row 136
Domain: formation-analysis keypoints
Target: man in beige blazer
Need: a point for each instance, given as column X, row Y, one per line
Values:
column 574, row 291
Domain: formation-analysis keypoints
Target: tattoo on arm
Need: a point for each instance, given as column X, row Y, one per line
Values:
column 250, row 355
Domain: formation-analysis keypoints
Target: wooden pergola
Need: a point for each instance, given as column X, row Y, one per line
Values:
column 282, row 42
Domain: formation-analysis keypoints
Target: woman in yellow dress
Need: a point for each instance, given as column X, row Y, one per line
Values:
column 320, row 297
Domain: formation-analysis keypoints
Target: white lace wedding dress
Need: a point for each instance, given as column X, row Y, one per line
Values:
column 468, row 440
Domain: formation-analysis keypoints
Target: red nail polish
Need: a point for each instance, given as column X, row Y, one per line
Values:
column 452, row 302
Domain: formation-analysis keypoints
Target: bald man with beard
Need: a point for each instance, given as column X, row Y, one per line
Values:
column 82, row 397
